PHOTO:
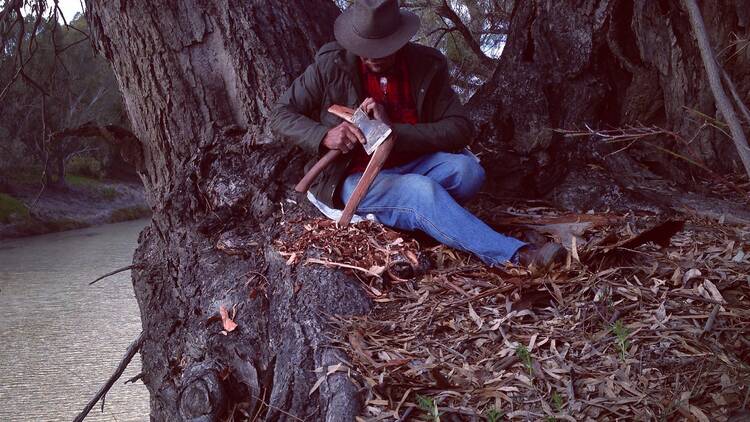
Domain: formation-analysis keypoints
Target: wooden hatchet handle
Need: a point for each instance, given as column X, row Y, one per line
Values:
column 311, row 174
column 371, row 172
column 345, row 113
column 304, row 184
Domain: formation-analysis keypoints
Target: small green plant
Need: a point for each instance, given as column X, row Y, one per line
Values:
column 429, row 406
column 621, row 333
column 12, row 210
column 129, row 213
column 109, row 192
column 494, row 415
column 85, row 166
column 525, row 356
column 557, row 401
column 81, row 181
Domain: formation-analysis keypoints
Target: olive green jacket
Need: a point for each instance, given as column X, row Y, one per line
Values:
column 301, row 113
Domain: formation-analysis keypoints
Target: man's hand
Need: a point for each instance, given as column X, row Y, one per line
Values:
column 376, row 110
column 343, row 137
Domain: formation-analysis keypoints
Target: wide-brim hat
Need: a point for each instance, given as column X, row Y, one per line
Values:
column 375, row 28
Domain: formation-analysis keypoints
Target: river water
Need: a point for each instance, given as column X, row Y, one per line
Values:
column 60, row 339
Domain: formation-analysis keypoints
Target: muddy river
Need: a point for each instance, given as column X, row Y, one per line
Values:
column 60, row 339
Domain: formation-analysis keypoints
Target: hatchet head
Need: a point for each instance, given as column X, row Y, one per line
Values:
column 375, row 131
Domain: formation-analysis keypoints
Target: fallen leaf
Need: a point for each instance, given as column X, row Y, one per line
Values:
column 292, row 258
column 226, row 322
column 317, row 384
column 691, row 274
column 476, row 318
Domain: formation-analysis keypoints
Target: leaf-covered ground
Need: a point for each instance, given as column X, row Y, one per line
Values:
column 626, row 330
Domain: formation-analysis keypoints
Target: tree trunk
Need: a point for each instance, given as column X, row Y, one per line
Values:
column 59, row 161
column 198, row 79
column 605, row 64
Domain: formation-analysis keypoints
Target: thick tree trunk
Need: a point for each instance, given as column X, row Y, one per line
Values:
column 606, row 64
column 198, row 80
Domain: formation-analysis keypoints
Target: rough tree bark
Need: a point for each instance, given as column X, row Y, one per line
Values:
column 607, row 64
column 197, row 80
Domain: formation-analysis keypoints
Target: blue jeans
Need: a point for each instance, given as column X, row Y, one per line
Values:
column 426, row 194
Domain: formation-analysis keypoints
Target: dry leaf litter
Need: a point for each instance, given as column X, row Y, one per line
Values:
column 626, row 330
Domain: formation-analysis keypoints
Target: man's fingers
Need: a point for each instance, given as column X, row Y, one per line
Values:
column 347, row 139
column 354, row 130
column 367, row 103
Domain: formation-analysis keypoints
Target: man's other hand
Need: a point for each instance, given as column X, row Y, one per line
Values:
column 376, row 110
column 343, row 137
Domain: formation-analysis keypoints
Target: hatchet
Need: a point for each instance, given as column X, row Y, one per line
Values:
column 379, row 144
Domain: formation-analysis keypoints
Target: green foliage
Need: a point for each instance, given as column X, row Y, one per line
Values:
column 621, row 333
column 429, row 406
column 129, row 213
column 79, row 85
column 63, row 224
column 557, row 401
column 12, row 210
column 525, row 356
column 25, row 175
column 81, row 181
column 85, row 166
column 494, row 415
column 106, row 192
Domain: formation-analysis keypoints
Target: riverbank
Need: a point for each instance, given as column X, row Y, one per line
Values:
column 82, row 203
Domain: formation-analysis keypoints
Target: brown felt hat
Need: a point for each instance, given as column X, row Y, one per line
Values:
column 375, row 28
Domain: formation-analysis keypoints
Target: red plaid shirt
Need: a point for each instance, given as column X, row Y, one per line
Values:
column 393, row 91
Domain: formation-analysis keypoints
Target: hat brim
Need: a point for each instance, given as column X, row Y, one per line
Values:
column 375, row 48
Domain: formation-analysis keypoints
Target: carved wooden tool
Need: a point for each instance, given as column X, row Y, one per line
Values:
column 379, row 145
column 304, row 184
column 374, row 131
column 371, row 171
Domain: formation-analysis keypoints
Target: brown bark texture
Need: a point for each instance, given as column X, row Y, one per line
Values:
column 198, row 79
column 607, row 64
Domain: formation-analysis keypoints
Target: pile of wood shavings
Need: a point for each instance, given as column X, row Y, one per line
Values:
column 366, row 248
column 662, row 336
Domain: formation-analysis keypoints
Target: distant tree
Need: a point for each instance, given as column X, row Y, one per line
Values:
column 65, row 85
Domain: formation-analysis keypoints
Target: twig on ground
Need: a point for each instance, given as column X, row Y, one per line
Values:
column 338, row 264
column 711, row 320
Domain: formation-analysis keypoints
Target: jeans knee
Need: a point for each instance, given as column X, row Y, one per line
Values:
column 470, row 175
column 419, row 189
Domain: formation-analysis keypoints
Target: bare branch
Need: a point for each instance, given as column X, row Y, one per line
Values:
column 714, row 78
column 444, row 11
column 738, row 101
column 134, row 348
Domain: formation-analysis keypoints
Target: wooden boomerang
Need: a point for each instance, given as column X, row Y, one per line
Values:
column 371, row 171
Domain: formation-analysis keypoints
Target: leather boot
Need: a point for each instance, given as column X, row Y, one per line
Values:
column 544, row 257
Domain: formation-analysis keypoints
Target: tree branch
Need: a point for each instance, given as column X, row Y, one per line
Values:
column 134, row 347
column 117, row 271
column 444, row 11
column 714, row 79
column 736, row 96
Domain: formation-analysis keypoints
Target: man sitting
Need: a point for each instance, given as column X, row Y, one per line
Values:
column 429, row 173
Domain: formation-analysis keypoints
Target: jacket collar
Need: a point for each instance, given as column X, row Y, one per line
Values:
column 421, row 70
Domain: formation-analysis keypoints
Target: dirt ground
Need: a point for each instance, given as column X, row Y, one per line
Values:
column 77, row 206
